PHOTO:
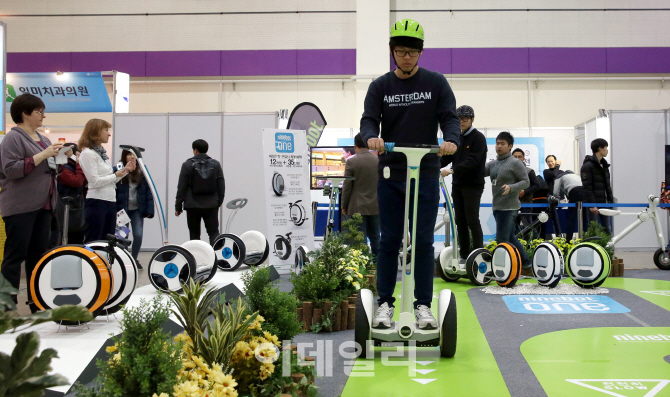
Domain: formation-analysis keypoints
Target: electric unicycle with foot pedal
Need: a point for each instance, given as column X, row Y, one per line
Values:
column 406, row 330
column 78, row 275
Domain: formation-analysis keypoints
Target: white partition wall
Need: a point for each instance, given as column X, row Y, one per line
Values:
column 234, row 139
column 183, row 129
column 243, row 169
column 637, row 155
column 150, row 132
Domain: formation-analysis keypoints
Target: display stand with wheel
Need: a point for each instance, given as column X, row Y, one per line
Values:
column 661, row 256
column 405, row 329
column 78, row 275
column 446, row 263
column 333, row 192
column 124, row 271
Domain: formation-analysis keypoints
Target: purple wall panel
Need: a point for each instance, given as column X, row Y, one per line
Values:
column 259, row 63
column 489, row 60
column 638, row 60
column 326, row 62
column 133, row 63
column 568, row 60
column 435, row 59
column 343, row 62
column 39, row 62
column 183, row 63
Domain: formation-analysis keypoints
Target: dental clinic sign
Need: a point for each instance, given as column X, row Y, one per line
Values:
column 81, row 92
column 563, row 304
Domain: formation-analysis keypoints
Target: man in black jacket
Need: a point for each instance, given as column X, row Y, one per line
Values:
column 200, row 191
column 595, row 175
column 468, row 182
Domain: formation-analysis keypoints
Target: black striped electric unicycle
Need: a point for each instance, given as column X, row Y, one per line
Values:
column 506, row 265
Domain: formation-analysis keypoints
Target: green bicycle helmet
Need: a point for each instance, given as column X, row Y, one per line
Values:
column 407, row 28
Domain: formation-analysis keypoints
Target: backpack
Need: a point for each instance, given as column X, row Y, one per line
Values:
column 204, row 176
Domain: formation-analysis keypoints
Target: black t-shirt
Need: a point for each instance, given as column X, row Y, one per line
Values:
column 409, row 111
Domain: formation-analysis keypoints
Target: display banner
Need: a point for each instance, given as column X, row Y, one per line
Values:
column 307, row 116
column 81, row 92
column 122, row 94
column 288, row 198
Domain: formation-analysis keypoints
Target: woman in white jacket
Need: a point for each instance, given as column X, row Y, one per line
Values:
column 100, row 205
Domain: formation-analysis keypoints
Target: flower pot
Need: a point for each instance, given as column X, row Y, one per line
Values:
column 337, row 319
column 307, row 314
column 326, row 309
column 317, row 316
column 351, row 321
column 344, row 314
column 297, row 377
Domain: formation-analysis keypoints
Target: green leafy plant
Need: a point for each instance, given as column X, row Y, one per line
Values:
column 229, row 327
column 355, row 239
column 277, row 307
column 144, row 360
column 192, row 309
column 603, row 238
column 25, row 373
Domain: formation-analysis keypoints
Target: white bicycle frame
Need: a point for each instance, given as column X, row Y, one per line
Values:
column 643, row 216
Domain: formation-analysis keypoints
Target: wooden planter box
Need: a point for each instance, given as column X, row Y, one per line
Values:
column 617, row 268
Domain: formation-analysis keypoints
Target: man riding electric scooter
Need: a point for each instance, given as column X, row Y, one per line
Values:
column 409, row 102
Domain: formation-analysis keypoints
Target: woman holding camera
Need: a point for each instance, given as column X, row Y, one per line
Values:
column 100, row 207
column 27, row 197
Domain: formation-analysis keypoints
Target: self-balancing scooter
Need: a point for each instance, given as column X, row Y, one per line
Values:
column 661, row 256
column 332, row 191
column 406, row 329
column 447, row 264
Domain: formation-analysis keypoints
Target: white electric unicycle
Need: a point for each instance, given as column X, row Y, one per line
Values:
column 405, row 329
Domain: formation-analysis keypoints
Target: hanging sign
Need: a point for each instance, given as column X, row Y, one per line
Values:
column 288, row 198
column 81, row 92
column 307, row 116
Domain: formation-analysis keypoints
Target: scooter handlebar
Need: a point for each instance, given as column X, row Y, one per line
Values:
column 391, row 146
column 135, row 149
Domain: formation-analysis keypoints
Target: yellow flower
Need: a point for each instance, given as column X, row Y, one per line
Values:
column 112, row 349
column 162, row 395
column 355, row 284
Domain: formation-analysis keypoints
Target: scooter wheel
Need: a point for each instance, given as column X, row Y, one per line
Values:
column 662, row 259
column 443, row 275
column 478, row 265
column 230, row 251
column 506, row 264
column 170, row 267
column 257, row 247
column 548, row 264
column 588, row 265
column 301, row 259
column 448, row 328
column 362, row 330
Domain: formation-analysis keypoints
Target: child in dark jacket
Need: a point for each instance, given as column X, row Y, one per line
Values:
column 134, row 196
column 71, row 183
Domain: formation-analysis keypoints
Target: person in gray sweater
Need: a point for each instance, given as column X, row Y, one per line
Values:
column 28, row 192
column 508, row 178
column 570, row 186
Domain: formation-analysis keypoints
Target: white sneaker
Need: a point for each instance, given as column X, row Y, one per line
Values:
column 383, row 317
column 424, row 318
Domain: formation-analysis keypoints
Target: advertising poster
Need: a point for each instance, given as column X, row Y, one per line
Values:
column 288, row 204
column 80, row 92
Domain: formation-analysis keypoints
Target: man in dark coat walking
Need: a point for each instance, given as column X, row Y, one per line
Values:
column 595, row 175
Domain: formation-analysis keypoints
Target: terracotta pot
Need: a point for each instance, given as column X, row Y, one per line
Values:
column 351, row 321
column 307, row 314
column 344, row 314
column 326, row 309
column 297, row 377
column 316, row 316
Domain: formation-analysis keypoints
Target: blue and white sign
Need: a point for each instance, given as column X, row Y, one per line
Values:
column 82, row 92
column 563, row 304
column 284, row 142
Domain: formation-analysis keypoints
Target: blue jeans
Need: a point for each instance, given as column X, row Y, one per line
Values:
column 370, row 228
column 391, row 199
column 505, row 223
column 137, row 223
